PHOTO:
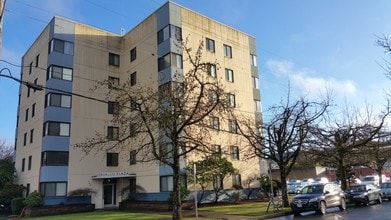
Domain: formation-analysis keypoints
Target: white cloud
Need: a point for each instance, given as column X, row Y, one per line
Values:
column 307, row 81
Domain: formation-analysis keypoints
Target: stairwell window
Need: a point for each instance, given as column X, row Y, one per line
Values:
column 59, row 72
column 61, row 46
column 169, row 31
column 253, row 59
column 52, row 128
column 58, row 100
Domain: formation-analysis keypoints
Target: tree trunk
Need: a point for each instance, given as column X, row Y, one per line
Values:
column 284, row 192
column 176, row 198
column 341, row 170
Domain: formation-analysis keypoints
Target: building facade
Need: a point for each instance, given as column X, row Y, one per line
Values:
column 68, row 58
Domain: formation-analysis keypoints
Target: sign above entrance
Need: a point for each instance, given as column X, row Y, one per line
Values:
column 108, row 175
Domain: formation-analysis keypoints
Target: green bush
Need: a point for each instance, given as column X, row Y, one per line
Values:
column 34, row 199
column 17, row 205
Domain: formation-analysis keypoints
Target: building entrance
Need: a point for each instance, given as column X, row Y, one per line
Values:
column 109, row 192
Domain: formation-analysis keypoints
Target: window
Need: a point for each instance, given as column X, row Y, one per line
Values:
column 132, row 159
column 29, row 163
column 33, row 110
column 133, row 79
column 236, row 180
column 31, row 136
column 231, row 100
column 113, row 82
column 133, row 104
column 132, row 129
column 214, row 123
column 255, row 82
column 58, row 100
column 229, row 75
column 113, row 108
column 216, row 150
column 55, row 158
column 25, row 139
column 112, row 159
column 28, row 92
column 30, row 68
column 169, row 31
column 253, row 59
column 234, row 152
column 218, row 182
column 166, row 183
column 23, row 163
column 212, row 96
column 113, row 59
column 53, row 189
column 210, row 45
column 133, row 54
column 232, row 126
column 58, row 72
column 61, row 46
column 258, row 107
column 37, row 61
column 26, row 118
column 227, row 51
column 112, row 133
column 170, row 60
column 52, row 128
column 36, row 83
column 27, row 189
column 212, row 70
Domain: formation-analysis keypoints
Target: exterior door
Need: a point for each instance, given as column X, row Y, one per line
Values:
column 108, row 194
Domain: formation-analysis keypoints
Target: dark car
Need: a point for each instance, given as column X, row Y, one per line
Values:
column 386, row 190
column 363, row 194
column 318, row 197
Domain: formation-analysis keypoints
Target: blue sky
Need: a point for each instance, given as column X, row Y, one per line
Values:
column 313, row 45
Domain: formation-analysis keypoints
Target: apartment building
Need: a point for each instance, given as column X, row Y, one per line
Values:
column 68, row 58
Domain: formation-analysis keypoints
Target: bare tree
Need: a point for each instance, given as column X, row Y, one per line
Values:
column 339, row 142
column 283, row 135
column 378, row 152
column 166, row 123
column 385, row 43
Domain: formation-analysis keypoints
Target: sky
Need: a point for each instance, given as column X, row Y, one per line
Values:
column 305, row 47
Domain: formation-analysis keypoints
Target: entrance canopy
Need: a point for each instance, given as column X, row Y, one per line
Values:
column 113, row 175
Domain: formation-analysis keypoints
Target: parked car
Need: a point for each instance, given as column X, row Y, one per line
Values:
column 363, row 194
column 321, row 180
column 374, row 180
column 318, row 197
column 306, row 181
column 293, row 186
column 385, row 189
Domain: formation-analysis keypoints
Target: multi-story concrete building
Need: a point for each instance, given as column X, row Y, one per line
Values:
column 70, row 57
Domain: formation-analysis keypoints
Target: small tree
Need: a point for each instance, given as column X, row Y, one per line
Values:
column 212, row 169
column 10, row 191
column 34, row 199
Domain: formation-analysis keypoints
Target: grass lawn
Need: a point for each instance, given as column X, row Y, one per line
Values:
column 244, row 209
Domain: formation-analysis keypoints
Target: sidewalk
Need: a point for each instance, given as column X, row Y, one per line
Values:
column 224, row 216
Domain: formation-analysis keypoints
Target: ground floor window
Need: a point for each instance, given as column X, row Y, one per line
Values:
column 53, row 189
column 166, row 183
